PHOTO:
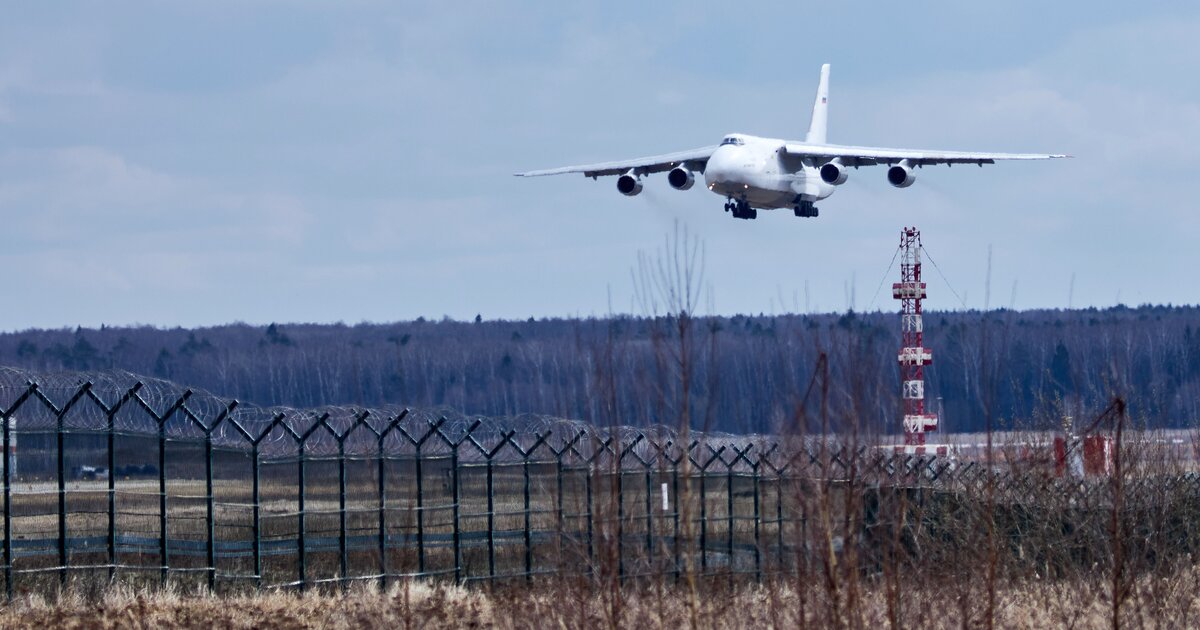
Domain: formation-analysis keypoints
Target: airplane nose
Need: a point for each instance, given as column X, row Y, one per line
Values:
column 719, row 167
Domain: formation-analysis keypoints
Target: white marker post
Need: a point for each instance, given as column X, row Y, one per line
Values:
column 666, row 500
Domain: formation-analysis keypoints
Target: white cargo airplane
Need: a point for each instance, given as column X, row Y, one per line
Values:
column 764, row 173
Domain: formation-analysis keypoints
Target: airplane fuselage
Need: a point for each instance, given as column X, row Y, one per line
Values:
column 758, row 171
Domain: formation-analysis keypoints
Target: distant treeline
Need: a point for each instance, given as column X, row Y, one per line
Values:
column 741, row 373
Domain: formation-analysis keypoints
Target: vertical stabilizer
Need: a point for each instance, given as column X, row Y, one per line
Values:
column 820, row 113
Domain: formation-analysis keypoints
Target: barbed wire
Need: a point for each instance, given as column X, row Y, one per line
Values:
column 83, row 401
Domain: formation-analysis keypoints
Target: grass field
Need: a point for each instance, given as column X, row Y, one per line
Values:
column 1166, row 601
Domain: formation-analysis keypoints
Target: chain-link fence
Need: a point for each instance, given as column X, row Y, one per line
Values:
column 110, row 477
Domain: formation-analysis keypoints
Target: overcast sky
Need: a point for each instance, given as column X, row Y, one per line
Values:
column 352, row 161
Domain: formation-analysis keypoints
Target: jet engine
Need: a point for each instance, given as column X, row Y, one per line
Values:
column 681, row 178
column 834, row 173
column 629, row 185
column 901, row 175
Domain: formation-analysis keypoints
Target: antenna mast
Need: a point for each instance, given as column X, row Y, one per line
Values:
column 914, row 356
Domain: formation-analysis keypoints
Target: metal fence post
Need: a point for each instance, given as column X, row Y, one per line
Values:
column 60, row 434
column 620, row 490
column 6, row 417
column 729, row 515
column 256, row 516
column 456, row 512
column 255, row 490
column 490, row 489
column 301, row 542
column 380, row 473
column 565, row 447
column 650, row 507
column 112, row 493
column 343, row 559
column 558, row 496
column 420, row 512
column 779, row 517
column 527, row 531
column 110, row 414
column 210, row 527
column 210, row 521
column 757, row 522
column 703, row 525
column 488, row 454
column 675, row 505
column 704, row 503
column 649, row 517
column 163, row 545
column 8, row 589
column 621, row 503
column 383, row 546
column 417, row 444
column 62, row 502
column 381, row 469
column 457, row 524
column 592, row 471
column 491, row 519
column 340, row 438
column 591, row 522
column 301, row 444
column 738, row 454
column 758, row 518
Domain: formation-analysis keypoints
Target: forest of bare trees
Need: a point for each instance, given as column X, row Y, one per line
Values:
column 746, row 371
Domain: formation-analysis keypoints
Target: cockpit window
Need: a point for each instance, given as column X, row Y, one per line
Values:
column 734, row 140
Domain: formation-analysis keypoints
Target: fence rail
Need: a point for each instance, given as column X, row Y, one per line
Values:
column 147, row 484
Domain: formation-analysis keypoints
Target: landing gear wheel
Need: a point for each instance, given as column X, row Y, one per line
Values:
column 806, row 209
column 742, row 210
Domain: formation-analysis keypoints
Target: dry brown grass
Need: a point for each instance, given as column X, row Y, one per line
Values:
column 1171, row 600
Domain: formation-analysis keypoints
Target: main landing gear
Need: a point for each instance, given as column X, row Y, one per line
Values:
column 806, row 209
column 741, row 209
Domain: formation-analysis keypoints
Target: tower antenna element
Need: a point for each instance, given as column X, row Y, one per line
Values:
column 914, row 356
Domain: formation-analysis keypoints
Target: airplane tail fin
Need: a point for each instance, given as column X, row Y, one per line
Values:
column 820, row 113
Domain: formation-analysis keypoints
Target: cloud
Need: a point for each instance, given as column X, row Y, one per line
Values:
column 354, row 162
column 80, row 194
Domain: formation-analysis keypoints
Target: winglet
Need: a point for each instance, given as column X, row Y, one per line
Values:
column 820, row 112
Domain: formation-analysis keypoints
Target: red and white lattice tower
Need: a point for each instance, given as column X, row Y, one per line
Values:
column 914, row 356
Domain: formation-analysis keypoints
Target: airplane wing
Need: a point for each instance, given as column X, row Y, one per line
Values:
column 867, row 156
column 696, row 158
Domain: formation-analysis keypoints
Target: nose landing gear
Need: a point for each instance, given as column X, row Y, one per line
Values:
column 741, row 209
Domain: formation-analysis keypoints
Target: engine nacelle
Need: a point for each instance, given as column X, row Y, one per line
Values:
column 901, row 175
column 629, row 185
column 834, row 173
column 681, row 178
